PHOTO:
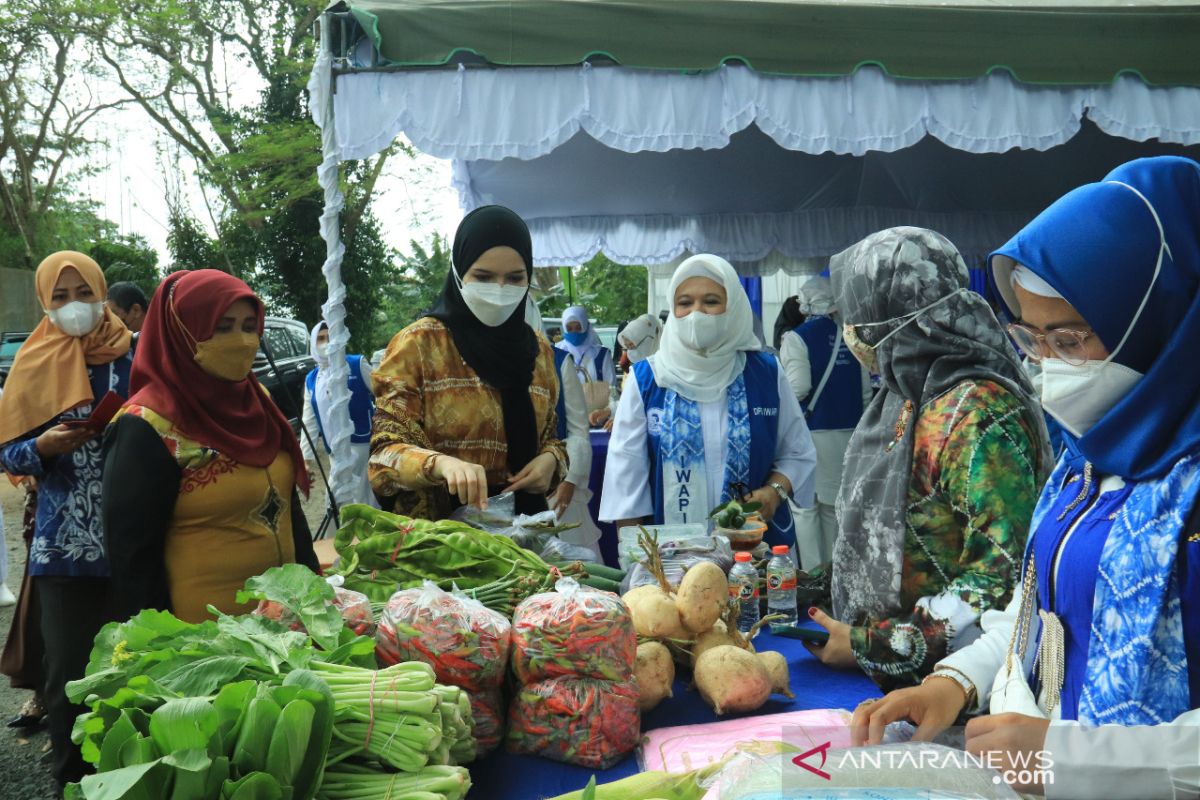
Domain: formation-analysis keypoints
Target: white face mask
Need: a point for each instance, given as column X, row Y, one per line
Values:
column 701, row 332
column 322, row 350
column 491, row 303
column 1079, row 396
column 77, row 318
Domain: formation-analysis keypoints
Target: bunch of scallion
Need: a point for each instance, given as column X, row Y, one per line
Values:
column 396, row 719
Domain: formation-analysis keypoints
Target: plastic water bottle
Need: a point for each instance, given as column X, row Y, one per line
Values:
column 743, row 587
column 781, row 585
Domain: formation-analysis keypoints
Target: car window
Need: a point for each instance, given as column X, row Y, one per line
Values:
column 9, row 349
column 279, row 342
column 299, row 339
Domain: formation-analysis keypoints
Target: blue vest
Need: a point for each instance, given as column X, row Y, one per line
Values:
column 840, row 405
column 762, row 396
column 561, row 409
column 362, row 403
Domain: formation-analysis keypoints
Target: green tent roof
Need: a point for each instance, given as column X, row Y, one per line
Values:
column 1039, row 42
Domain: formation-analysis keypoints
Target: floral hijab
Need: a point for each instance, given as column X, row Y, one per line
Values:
column 881, row 283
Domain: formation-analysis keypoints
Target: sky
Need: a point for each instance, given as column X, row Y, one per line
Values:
column 413, row 199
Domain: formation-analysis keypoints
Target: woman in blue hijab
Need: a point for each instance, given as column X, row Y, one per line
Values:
column 1094, row 668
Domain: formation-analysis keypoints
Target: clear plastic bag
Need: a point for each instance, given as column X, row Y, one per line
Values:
column 678, row 556
column 466, row 643
column 356, row 610
column 573, row 631
column 498, row 518
column 579, row 721
column 488, row 712
column 555, row 549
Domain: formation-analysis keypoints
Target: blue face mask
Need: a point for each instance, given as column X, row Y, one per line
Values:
column 575, row 338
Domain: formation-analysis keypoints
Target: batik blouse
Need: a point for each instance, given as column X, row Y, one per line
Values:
column 975, row 482
column 429, row 402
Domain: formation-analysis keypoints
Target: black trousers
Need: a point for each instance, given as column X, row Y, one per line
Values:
column 73, row 610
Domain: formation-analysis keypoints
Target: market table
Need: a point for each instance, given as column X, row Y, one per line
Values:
column 608, row 531
column 502, row 776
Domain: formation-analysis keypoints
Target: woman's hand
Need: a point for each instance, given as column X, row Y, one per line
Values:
column 837, row 651
column 536, row 476
column 608, row 426
column 933, row 706
column 599, row 417
column 62, row 439
column 768, row 499
column 1019, row 737
column 563, row 498
column 464, row 480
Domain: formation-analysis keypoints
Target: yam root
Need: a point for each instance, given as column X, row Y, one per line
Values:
column 732, row 679
column 703, row 596
column 655, row 672
column 777, row 669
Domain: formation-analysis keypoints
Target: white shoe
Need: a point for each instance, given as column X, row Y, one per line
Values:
column 7, row 598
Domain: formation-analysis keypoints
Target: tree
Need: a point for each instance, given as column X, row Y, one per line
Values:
column 414, row 287
column 611, row 292
column 127, row 257
column 252, row 141
column 47, row 104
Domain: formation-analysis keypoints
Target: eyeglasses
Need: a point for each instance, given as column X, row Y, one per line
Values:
column 1065, row 343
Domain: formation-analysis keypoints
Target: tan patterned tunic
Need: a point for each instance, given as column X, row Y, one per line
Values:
column 428, row 401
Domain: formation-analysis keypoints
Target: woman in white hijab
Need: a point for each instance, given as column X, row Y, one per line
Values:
column 593, row 361
column 570, row 501
column 833, row 389
column 640, row 338
column 323, row 426
column 707, row 412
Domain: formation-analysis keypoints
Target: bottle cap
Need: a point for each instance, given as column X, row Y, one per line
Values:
column 741, row 557
column 780, row 549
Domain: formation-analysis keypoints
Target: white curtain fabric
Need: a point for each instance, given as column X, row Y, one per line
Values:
column 491, row 114
column 757, row 244
column 342, row 478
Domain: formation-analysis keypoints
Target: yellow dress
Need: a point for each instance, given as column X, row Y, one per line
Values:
column 231, row 522
column 429, row 401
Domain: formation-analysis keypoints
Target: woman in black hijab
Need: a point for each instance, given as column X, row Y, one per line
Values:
column 466, row 397
column 790, row 317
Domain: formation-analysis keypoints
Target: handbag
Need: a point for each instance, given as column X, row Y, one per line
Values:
column 595, row 392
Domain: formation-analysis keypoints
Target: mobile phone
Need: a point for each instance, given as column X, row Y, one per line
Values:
column 818, row 636
column 101, row 415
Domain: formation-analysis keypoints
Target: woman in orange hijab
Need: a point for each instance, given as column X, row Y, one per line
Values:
column 74, row 357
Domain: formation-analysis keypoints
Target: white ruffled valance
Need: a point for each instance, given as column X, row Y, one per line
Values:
column 759, row 244
column 525, row 113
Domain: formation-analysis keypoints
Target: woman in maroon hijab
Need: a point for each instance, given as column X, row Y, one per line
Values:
column 201, row 468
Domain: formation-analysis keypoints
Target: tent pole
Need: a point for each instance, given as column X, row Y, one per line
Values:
column 334, row 309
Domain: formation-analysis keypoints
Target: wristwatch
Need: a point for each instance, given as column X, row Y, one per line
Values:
column 964, row 683
column 779, row 490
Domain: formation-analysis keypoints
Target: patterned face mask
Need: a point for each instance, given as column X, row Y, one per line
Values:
column 862, row 351
column 866, row 353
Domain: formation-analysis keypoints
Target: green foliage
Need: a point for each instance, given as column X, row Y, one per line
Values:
column 412, row 288
column 612, row 293
column 127, row 257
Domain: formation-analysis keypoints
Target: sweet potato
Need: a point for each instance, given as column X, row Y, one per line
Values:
column 702, row 597
column 655, row 672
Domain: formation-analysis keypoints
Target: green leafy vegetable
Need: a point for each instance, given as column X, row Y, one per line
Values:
column 305, row 594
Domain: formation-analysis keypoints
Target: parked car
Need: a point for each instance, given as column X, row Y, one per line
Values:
column 287, row 341
column 10, row 343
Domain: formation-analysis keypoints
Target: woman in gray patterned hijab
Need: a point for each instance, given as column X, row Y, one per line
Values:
column 943, row 470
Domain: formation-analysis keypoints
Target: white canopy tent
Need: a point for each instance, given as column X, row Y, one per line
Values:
column 772, row 169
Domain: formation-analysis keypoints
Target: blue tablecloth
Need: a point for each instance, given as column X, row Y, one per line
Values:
column 502, row 776
column 608, row 532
